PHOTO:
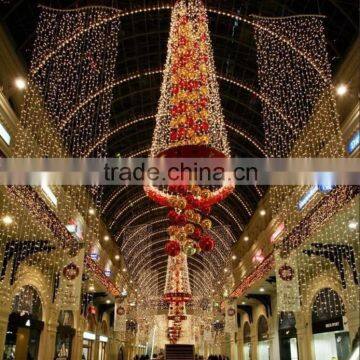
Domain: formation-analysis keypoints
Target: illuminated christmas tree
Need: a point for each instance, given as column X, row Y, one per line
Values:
column 189, row 124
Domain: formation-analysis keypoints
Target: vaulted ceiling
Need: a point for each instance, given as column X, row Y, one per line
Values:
column 141, row 51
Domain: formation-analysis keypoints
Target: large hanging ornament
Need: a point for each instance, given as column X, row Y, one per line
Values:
column 177, row 293
column 189, row 124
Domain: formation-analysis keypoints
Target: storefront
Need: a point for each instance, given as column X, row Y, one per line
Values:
column 287, row 336
column 263, row 350
column 247, row 342
column 24, row 326
column 64, row 336
column 89, row 338
column 331, row 338
column 103, row 341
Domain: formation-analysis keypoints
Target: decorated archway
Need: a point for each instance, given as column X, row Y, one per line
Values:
column 263, row 350
column 25, row 324
column 247, row 341
column 329, row 326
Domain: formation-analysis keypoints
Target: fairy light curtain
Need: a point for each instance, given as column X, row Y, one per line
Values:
column 66, row 109
column 300, row 120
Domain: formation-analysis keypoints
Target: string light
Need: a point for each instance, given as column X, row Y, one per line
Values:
column 341, row 89
column 310, row 244
column 20, row 83
column 7, row 220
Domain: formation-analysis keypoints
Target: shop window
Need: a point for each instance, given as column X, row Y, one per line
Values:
column 331, row 338
column 25, row 325
column 247, row 342
column 287, row 336
column 263, row 349
column 64, row 335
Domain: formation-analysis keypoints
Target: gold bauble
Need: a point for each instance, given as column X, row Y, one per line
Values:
column 206, row 193
column 189, row 229
column 190, row 133
column 189, row 214
column 173, row 201
column 203, row 90
column 206, row 224
column 181, row 236
column 197, row 218
column 181, row 203
column 172, row 230
column 205, row 139
column 196, row 190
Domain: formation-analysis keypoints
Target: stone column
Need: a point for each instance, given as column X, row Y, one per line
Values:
column 77, row 344
column 353, row 322
column 254, row 341
column 304, row 338
column 5, row 310
column 274, row 337
column 48, row 335
column 233, row 348
column 4, row 319
column 240, row 346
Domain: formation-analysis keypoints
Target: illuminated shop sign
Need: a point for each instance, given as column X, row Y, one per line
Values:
column 74, row 227
column 354, row 142
column 89, row 336
column 307, row 197
column 330, row 325
column 107, row 272
column 324, row 188
column 5, row 135
column 103, row 338
column 94, row 256
column 49, row 194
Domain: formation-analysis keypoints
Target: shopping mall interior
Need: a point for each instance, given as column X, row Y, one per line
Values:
column 181, row 269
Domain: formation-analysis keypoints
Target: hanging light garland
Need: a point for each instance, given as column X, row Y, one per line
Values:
column 71, row 58
column 294, row 74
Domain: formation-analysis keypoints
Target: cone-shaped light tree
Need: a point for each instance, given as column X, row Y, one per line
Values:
column 189, row 123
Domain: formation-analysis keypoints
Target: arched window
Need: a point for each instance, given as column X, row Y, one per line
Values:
column 247, row 333
column 27, row 301
column 263, row 328
column 104, row 328
column 66, row 318
column 329, row 338
column 327, row 305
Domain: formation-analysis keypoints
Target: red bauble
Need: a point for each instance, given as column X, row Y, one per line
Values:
column 204, row 126
column 190, row 199
column 173, row 135
column 197, row 233
column 182, row 189
column 190, row 121
column 206, row 243
column 181, row 133
column 172, row 188
column 181, row 219
column 205, row 209
column 172, row 215
column 172, row 248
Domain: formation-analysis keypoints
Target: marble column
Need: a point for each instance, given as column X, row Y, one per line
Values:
column 4, row 319
column 48, row 335
column 77, row 344
column 240, row 346
column 304, row 338
column 254, row 341
column 353, row 323
column 274, row 338
column 5, row 310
